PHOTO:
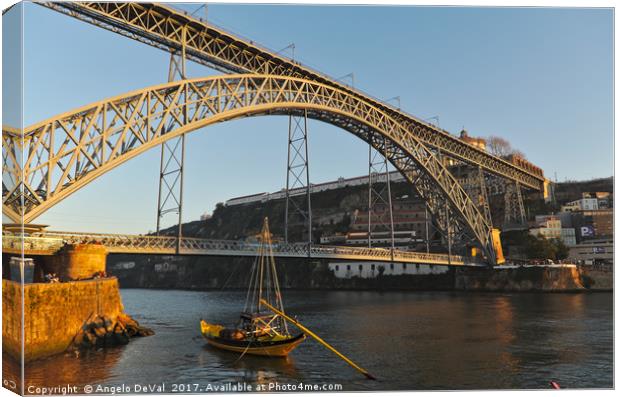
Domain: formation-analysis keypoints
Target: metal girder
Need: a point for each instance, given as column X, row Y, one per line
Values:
column 12, row 174
column 78, row 146
column 172, row 160
column 495, row 186
column 298, row 208
column 166, row 28
column 514, row 208
column 48, row 243
column 475, row 184
column 484, row 197
column 380, row 216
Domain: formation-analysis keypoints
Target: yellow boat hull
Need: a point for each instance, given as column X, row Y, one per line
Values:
column 266, row 346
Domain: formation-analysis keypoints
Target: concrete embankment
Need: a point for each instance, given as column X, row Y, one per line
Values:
column 204, row 273
column 565, row 278
column 208, row 273
column 596, row 279
column 55, row 313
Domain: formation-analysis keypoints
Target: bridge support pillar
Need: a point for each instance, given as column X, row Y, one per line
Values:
column 171, row 167
column 298, row 207
column 484, row 197
column 78, row 261
column 380, row 217
column 514, row 209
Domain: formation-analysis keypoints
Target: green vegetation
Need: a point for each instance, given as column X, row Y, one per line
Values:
column 535, row 247
column 538, row 247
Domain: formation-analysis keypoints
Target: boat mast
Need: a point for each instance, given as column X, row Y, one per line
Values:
column 275, row 283
column 264, row 270
column 261, row 253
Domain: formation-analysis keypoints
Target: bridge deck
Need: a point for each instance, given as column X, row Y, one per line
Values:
column 48, row 243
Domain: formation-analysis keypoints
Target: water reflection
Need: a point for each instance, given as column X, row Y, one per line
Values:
column 410, row 341
column 255, row 369
column 69, row 368
column 11, row 373
column 64, row 369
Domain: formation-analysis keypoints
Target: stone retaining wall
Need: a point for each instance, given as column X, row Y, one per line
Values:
column 597, row 279
column 54, row 313
column 534, row 278
column 77, row 261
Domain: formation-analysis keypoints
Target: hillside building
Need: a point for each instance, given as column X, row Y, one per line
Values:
column 593, row 252
column 371, row 270
column 410, row 225
column 480, row 143
column 550, row 227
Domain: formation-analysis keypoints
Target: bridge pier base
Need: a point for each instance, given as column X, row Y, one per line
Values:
column 78, row 261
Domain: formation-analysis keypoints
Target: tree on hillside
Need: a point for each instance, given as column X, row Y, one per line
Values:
column 562, row 249
column 538, row 247
column 500, row 147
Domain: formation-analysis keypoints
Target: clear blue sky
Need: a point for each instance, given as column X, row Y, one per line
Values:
column 539, row 77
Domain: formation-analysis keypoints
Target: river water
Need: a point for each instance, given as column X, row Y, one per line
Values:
column 408, row 340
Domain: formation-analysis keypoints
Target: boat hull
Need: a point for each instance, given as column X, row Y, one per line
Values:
column 280, row 348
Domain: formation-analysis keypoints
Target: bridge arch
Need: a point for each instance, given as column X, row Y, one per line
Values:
column 66, row 152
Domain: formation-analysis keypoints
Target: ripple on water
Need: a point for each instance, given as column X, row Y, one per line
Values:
column 410, row 341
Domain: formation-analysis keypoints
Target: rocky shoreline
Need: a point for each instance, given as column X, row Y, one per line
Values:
column 102, row 331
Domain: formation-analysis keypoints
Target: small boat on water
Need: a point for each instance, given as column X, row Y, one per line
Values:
column 259, row 330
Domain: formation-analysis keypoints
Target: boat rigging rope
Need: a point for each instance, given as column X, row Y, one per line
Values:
column 252, row 283
column 243, row 354
column 230, row 276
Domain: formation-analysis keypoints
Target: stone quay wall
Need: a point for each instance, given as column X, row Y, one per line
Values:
column 54, row 313
column 512, row 279
column 77, row 261
column 11, row 318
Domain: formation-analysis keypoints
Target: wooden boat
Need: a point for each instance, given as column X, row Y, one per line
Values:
column 258, row 331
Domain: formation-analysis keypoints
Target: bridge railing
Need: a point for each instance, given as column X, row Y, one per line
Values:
column 15, row 244
column 119, row 243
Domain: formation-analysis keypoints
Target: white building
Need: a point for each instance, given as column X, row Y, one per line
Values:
column 335, row 239
column 402, row 238
column 373, row 269
column 124, row 265
column 395, row 176
column 165, row 267
column 599, row 251
column 568, row 236
column 583, row 204
column 551, row 228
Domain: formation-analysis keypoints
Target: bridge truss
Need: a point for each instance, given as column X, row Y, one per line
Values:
column 68, row 151
column 168, row 29
column 49, row 243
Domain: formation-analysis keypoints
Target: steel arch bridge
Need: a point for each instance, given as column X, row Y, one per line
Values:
column 173, row 31
column 66, row 152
